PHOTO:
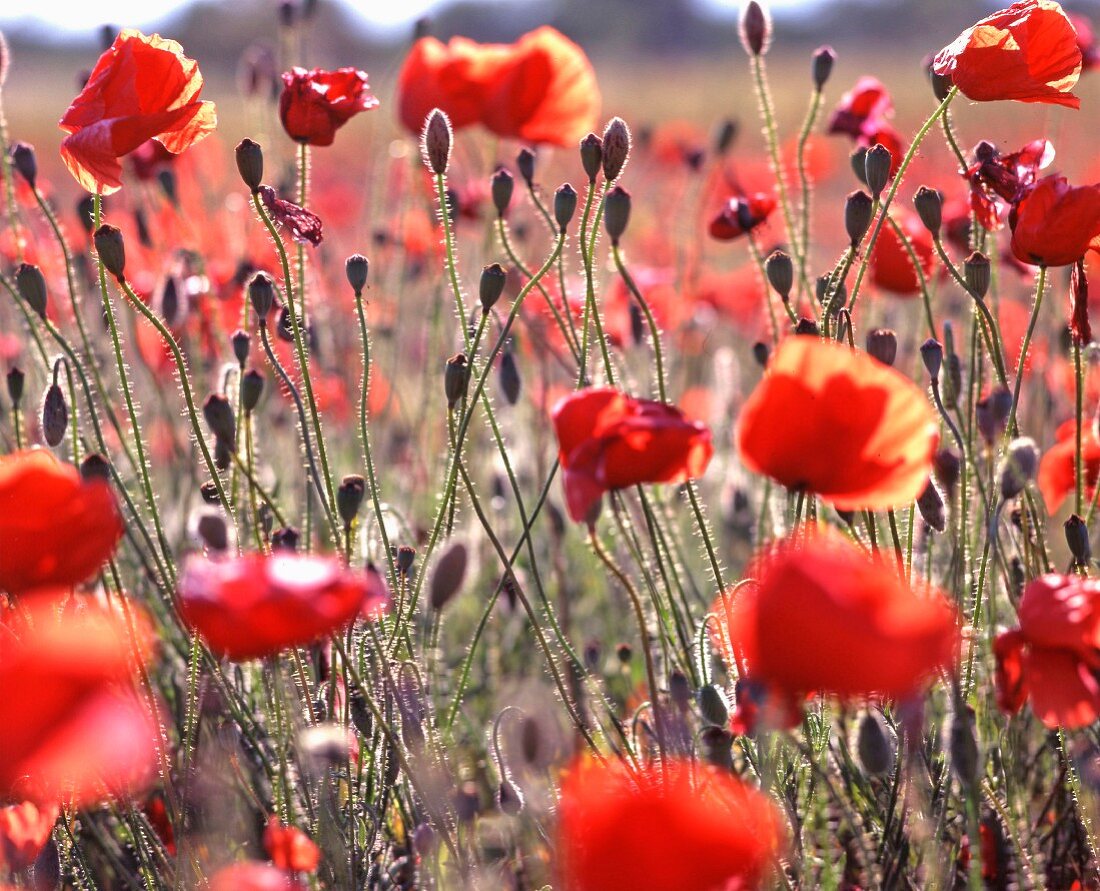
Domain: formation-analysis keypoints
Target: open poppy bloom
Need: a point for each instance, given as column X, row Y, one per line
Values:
column 892, row 268
column 540, row 89
column 1053, row 223
column 822, row 616
column 835, row 422
column 608, row 440
column 1057, row 470
column 741, row 215
column 256, row 605
column 68, row 728
column 289, row 848
column 1027, row 52
column 315, row 104
column 864, row 113
column 1054, row 655
column 55, row 528
column 141, row 88
column 24, row 830
column 997, row 180
column 670, row 826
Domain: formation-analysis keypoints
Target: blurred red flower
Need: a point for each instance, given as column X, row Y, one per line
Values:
column 994, row 176
column 1057, row 469
column 255, row 605
column 141, row 88
column 1053, row 223
column 1086, row 41
column 892, row 268
column 24, row 830
column 55, row 528
column 864, row 113
column 253, row 876
column 675, row 825
column 315, row 104
column 608, row 440
column 540, row 89
column 289, row 848
column 1027, row 52
column 741, row 215
column 835, row 422
column 1054, row 655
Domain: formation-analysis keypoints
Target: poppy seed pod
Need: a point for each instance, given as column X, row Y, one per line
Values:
column 525, row 163
column 349, row 497
column 565, row 205
column 930, row 505
column 616, row 213
column 25, row 162
column 31, row 284
column 755, row 29
column 219, row 418
column 501, row 186
column 822, row 66
column 436, row 146
column 931, row 353
column 456, row 378
column 876, row 168
column 95, row 467
column 857, row 216
column 242, row 345
column 780, row 271
column 977, row 274
column 448, row 575
column 510, row 381
column 55, row 416
column 252, row 388
column 616, row 148
column 15, row 381
column 250, row 163
column 111, row 249
column 356, row 268
column 929, row 205
column 882, row 344
column 261, row 293
column 1018, row 466
column 874, row 745
column 491, row 286
column 591, row 155
column 1077, row 538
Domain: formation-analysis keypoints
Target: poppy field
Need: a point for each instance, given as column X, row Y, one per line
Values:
column 447, row 483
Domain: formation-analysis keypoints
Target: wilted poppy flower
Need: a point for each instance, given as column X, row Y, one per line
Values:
column 290, row 848
column 315, row 104
column 1054, row 655
column 892, row 268
column 994, row 176
column 141, row 88
column 253, row 876
column 1057, row 469
column 55, row 528
column 67, row 726
column 828, row 420
column 676, row 825
column 822, row 616
column 1053, row 223
column 24, row 830
column 741, row 215
column 608, row 440
column 304, row 225
column 1027, row 52
column 256, row 605
column 864, row 113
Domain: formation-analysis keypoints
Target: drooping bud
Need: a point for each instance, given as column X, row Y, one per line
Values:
column 930, row 505
column 242, row 345
column 1077, row 537
column 510, row 381
column 261, row 293
column 349, row 497
column 877, row 168
column 356, row 268
column 1018, row 466
column 565, row 205
column 882, row 344
column 929, row 205
column 25, row 162
column 252, row 388
column 991, row 412
column 874, row 745
column 616, row 213
column 436, row 146
column 509, row 799
column 448, row 575
column 55, row 416
column 250, row 164
column 31, row 284
column 219, row 418
column 525, row 164
column 15, row 382
column 755, row 29
column 616, row 148
column 822, row 66
column 931, row 353
column 501, row 186
column 491, row 286
column 111, row 250
column 857, row 216
column 456, row 378
column 713, row 705
column 592, row 155
column 977, row 273
column 779, row 269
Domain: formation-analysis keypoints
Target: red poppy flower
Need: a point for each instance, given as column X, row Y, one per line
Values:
column 67, row 728
column 304, row 225
column 1053, row 223
column 741, row 215
column 1057, row 469
column 289, row 848
column 55, row 528
column 316, row 103
column 994, row 176
column 1054, row 655
column 669, row 826
column 253, row 876
column 1027, row 52
column 1079, row 325
column 1086, row 42
column 835, row 422
column 864, row 113
column 24, row 830
column 141, row 88
column 255, row 605
column 891, row 266
column 822, row 616
column 608, row 440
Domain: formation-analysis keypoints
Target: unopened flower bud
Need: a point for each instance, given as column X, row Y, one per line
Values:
column 723, row 140
column 261, row 293
column 874, row 745
column 252, row 388
column 931, row 353
column 779, row 269
column 565, row 204
column 930, row 505
column 242, row 344
column 55, row 416
column 716, row 747
column 285, row 539
column 31, row 284
column 448, row 575
column 436, row 146
column 963, row 746
column 111, row 250
column 219, row 418
column 95, row 467
column 356, row 268
column 211, row 528
column 713, row 705
column 755, row 29
column 991, row 412
column 929, row 205
column 349, row 497
column 592, row 156
column 760, row 353
column 15, row 382
column 616, row 148
column 824, row 285
column 456, row 378
column 85, row 213
column 858, row 160
column 857, row 216
column 806, row 327
column 425, row 840
column 509, row 799
column 616, row 213
column 977, row 273
column 250, row 164
column 510, row 381
column 25, row 162
column 208, row 491
column 405, row 557
column 876, row 164
column 882, row 344
column 947, row 467
column 1018, row 466
column 941, row 84
column 491, row 286
column 501, row 186
column 1077, row 537
column 822, row 66
column 525, row 164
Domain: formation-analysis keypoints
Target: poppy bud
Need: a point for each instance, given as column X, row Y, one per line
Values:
column 755, row 29
column 15, row 380
column 25, row 162
column 349, row 497
column 405, row 557
column 250, row 164
column 930, row 505
column 876, row 168
column 1018, row 466
column 616, row 213
column 624, row 652
column 931, row 353
column 525, row 163
column 780, row 271
column 1077, row 537
column 760, row 353
column 261, row 293
column 356, row 268
column 448, row 575
column 882, row 344
column 95, row 467
column 111, row 249
column 565, row 204
column 166, row 179
column 510, row 381
column 252, row 387
column 806, row 328
column 963, row 745
column 822, row 66
column 436, row 147
column 991, row 412
column 947, row 467
column 85, row 213
column 857, row 215
column 591, row 155
column 874, row 745
column 212, row 529
column 242, row 344
column 723, row 140
column 32, row 287
column 713, row 705
column 501, row 186
column 285, row 539
column 952, row 377
column 717, row 747
column 491, row 285
column 977, row 274
column 941, row 84
column 209, row 493
column 508, row 798
column 456, row 378
column 219, row 418
column 858, row 160
column 822, row 287
column 55, row 416
column 425, row 840
column 616, row 148
column 929, row 205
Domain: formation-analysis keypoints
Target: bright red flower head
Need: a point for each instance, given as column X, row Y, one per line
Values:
column 289, row 848
column 741, row 215
column 608, row 440
column 1027, row 52
column 891, row 266
column 835, row 422
column 997, row 179
column 141, row 88
column 1053, row 223
column 55, row 528
column 670, row 826
column 256, row 605
column 1057, row 469
column 1054, row 655
column 864, row 113
column 253, row 876
column 315, row 104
